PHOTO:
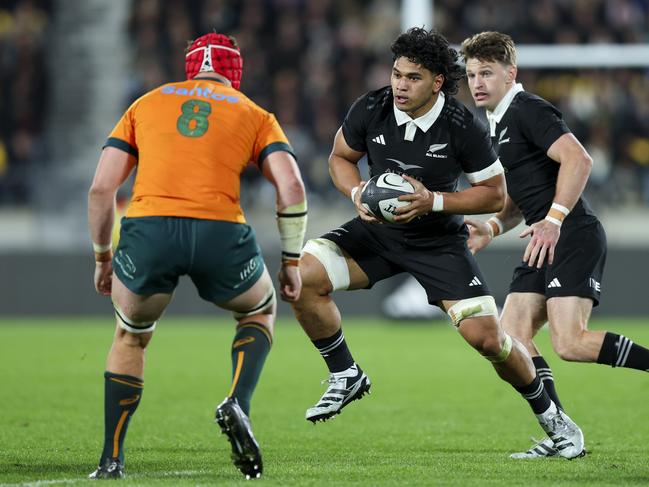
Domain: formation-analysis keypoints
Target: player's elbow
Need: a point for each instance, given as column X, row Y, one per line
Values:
column 338, row 163
column 99, row 190
column 579, row 160
column 586, row 162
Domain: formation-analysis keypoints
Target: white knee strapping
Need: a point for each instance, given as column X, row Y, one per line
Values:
column 504, row 352
column 467, row 308
column 265, row 303
column 333, row 260
column 132, row 326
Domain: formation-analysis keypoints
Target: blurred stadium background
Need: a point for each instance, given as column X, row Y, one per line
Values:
column 68, row 69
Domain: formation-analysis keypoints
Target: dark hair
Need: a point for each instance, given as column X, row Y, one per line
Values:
column 431, row 50
column 491, row 47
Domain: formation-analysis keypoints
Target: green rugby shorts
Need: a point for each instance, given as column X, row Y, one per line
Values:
column 221, row 258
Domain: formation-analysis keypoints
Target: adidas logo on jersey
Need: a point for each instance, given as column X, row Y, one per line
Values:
column 379, row 139
column 475, row 282
column 554, row 283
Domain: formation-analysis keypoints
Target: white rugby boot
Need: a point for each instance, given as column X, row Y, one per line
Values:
column 565, row 434
column 543, row 448
column 344, row 387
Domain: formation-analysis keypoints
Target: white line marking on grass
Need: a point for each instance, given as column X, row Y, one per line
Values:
column 177, row 473
column 37, row 483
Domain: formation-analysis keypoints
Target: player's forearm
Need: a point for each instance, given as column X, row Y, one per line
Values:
column 281, row 169
column 291, row 216
column 101, row 215
column 573, row 175
column 506, row 223
column 344, row 174
column 475, row 200
column 572, row 179
column 506, row 219
column 290, row 192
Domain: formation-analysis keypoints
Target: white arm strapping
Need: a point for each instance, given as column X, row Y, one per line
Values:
column 99, row 248
column 291, row 222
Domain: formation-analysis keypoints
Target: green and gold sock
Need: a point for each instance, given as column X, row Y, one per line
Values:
column 122, row 394
column 250, row 347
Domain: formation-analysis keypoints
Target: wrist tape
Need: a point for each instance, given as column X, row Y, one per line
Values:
column 557, row 214
column 353, row 194
column 103, row 252
column 496, row 226
column 438, row 202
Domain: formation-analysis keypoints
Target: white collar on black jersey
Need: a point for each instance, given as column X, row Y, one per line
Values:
column 497, row 115
column 424, row 122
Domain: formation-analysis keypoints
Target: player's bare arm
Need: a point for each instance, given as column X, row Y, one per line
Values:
column 481, row 233
column 282, row 171
column 114, row 167
column 573, row 175
column 487, row 196
column 575, row 168
column 345, row 175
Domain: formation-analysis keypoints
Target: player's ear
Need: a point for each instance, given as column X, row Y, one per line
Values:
column 438, row 82
column 512, row 70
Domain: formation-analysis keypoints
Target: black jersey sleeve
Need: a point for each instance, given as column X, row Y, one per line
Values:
column 541, row 122
column 477, row 153
column 355, row 125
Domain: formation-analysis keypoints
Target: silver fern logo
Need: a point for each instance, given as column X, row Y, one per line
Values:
column 433, row 149
column 502, row 134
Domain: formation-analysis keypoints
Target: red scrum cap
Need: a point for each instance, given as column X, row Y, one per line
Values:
column 216, row 53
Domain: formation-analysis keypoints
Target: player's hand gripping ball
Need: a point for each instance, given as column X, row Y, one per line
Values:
column 380, row 194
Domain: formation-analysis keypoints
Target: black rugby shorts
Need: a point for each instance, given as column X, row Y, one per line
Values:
column 443, row 265
column 578, row 267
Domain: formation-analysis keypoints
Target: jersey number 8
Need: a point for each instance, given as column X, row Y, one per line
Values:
column 193, row 121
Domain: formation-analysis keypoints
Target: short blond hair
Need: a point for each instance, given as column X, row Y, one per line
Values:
column 491, row 47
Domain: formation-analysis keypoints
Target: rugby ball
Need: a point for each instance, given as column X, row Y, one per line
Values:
column 380, row 193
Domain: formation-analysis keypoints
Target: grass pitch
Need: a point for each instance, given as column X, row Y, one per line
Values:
column 438, row 414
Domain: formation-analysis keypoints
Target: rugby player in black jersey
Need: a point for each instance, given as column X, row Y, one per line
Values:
column 415, row 128
column 559, row 279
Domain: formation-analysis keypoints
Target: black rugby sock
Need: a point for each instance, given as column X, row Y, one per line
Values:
column 545, row 374
column 619, row 351
column 536, row 395
column 250, row 348
column 122, row 394
column 335, row 352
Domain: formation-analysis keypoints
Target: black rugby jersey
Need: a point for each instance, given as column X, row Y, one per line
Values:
column 456, row 142
column 521, row 138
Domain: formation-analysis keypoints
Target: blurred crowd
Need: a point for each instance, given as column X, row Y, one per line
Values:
column 23, row 95
column 307, row 61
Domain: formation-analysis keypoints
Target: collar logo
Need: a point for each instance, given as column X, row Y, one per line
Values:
column 502, row 134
